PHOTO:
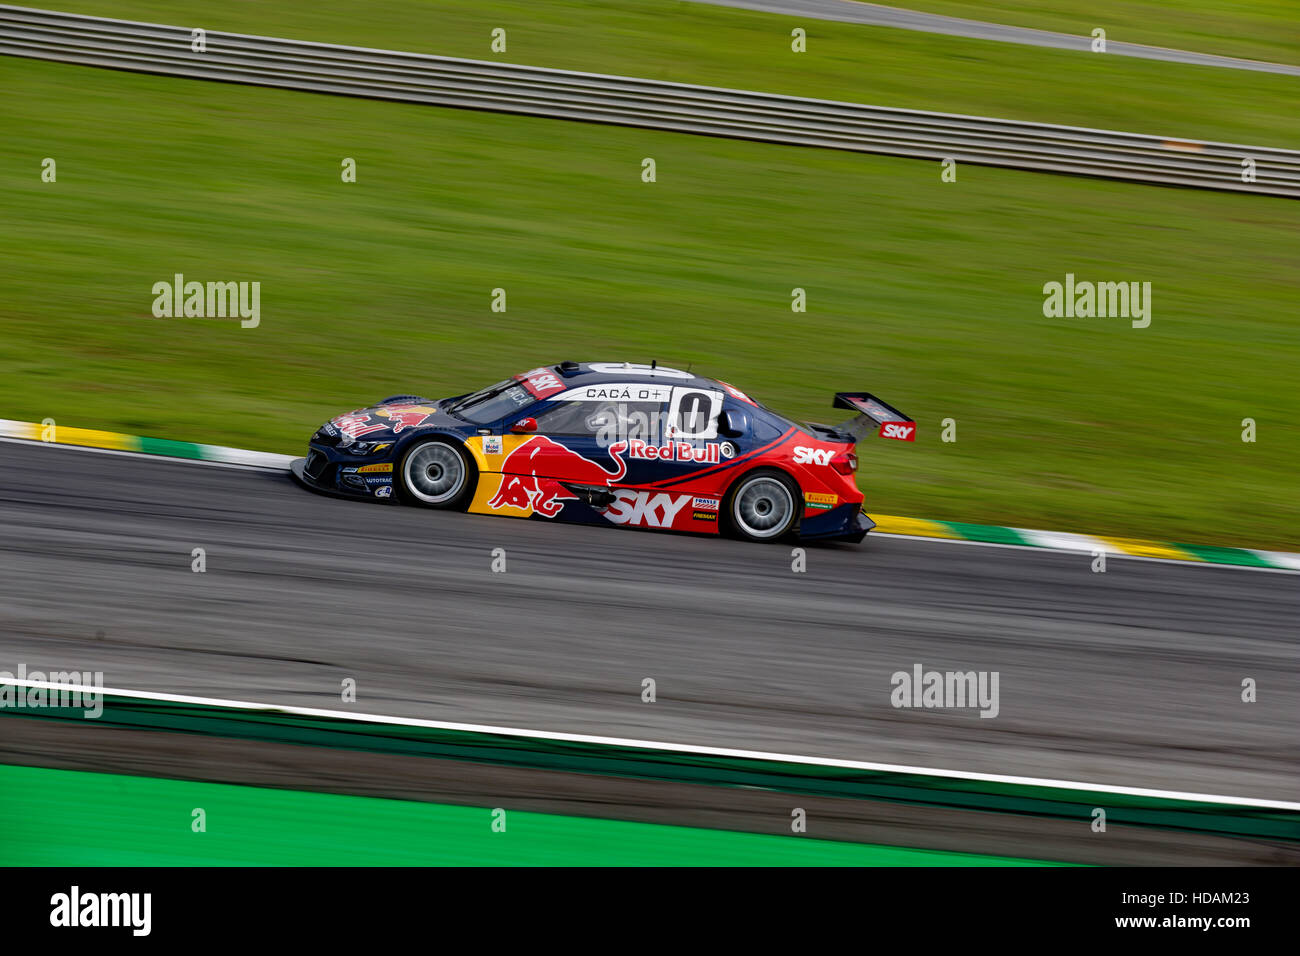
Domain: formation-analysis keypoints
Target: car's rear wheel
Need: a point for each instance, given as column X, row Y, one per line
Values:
column 437, row 474
column 763, row 506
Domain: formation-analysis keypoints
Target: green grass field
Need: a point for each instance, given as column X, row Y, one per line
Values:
column 927, row 293
column 1254, row 29
column 722, row 46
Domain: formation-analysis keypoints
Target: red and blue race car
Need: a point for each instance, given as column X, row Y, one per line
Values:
column 609, row 443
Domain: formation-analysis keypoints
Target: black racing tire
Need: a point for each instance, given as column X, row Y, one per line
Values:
column 437, row 473
column 763, row 505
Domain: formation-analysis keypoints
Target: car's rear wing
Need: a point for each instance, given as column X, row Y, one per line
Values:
column 872, row 412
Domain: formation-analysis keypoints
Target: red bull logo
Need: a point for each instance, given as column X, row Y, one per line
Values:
column 708, row 454
column 543, row 496
column 355, row 424
column 533, row 471
column 406, row 416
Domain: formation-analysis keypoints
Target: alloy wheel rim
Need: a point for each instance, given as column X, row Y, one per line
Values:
column 434, row 473
column 763, row 507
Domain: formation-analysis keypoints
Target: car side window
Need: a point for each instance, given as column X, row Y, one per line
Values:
column 566, row 418
column 615, row 420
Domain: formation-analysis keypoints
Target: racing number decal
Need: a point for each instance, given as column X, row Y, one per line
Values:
column 693, row 409
column 694, row 413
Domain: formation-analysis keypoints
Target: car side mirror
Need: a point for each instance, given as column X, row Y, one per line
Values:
column 732, row 422
column 524, row 426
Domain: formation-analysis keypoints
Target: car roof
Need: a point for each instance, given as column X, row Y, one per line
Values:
column 575, row 374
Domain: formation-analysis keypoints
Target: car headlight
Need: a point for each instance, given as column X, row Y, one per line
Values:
column 366, row 448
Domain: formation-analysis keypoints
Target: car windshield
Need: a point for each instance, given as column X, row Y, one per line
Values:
column 492, row 403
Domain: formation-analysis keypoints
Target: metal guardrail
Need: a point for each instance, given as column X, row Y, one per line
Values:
column 652, row 104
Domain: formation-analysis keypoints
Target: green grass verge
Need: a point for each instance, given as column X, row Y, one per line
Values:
column 927, row 293
column 720, row 46
column 145, row 821
column 1253, row 29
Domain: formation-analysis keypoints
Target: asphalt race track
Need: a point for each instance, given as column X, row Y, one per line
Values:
column 1130, row 677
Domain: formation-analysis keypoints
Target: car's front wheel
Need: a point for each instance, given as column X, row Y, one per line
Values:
column 437, row 474
column 763, row 506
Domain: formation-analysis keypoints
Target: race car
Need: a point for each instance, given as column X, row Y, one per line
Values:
column 609, row 443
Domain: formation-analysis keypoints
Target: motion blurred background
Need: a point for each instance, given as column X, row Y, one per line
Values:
column 926, row 292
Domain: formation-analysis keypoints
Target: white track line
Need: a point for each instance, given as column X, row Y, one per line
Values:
column 246, row 466
column 656, row 745
column 1292, row 561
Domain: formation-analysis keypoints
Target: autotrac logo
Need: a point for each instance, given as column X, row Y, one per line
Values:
column 645, row 508
column 710, row 453
column 77, row 909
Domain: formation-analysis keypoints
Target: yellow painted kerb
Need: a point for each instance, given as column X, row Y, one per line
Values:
column 1150, row 549
column 94, row 439
column 893, row 524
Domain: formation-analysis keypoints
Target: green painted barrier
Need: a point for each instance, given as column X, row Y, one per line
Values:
column 523, row 751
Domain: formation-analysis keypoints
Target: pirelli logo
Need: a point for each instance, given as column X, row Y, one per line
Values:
column 372, row 469
column 820, row 501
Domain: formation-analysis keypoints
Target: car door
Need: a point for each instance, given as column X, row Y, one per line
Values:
column 670, row 467
column 577, row 448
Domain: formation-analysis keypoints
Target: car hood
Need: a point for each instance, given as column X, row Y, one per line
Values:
column 386, row 421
